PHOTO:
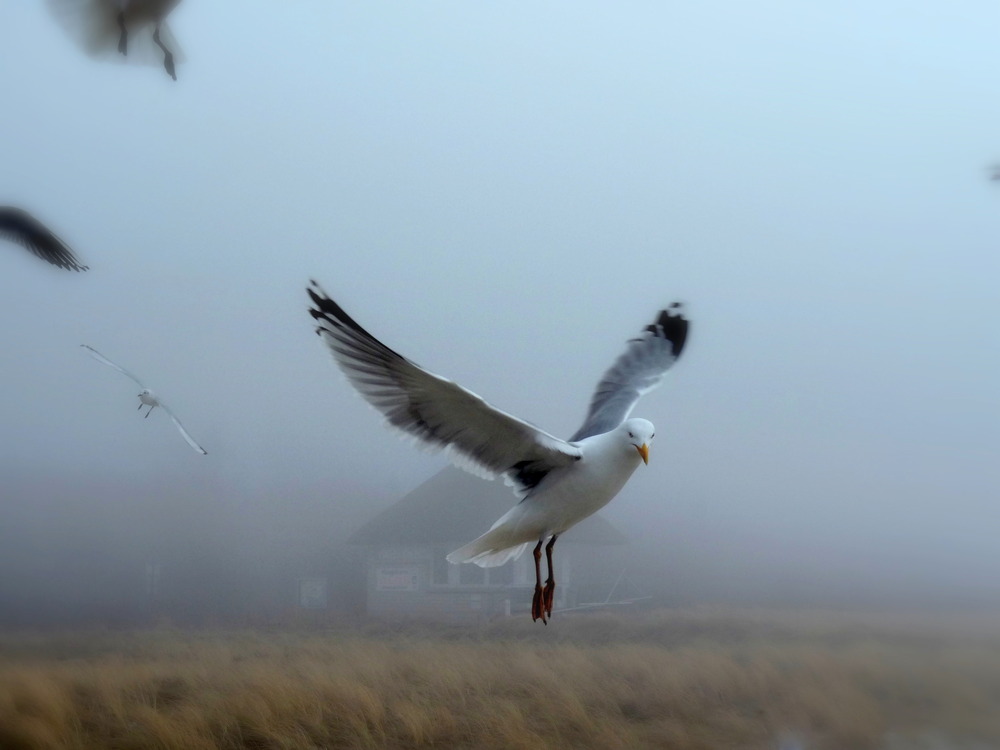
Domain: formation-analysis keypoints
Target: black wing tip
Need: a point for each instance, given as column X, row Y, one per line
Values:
column 316, row 293
column 332, row 316
column 319, row 299
column 70, row 266
column 671, row 325
column 16, row 212
column 327, row 311
column 26, row 229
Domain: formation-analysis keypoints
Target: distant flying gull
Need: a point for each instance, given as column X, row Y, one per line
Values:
column 147, row 397
column 559, row 482
column 103, row 26
column 21, row 227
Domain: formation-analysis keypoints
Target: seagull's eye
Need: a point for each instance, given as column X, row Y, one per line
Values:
column 653, row 435
column 631, row 435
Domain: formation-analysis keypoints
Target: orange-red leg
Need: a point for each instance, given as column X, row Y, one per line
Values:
column 548, row 595
column 537, row 606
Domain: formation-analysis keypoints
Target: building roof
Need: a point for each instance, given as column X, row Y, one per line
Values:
column 455, row 506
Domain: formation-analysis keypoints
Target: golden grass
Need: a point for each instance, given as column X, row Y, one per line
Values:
column 696, row 679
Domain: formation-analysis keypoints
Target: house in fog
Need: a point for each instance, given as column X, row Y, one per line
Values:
column 408, row 576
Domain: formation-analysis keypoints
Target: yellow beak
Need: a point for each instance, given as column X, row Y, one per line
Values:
column 644, row 452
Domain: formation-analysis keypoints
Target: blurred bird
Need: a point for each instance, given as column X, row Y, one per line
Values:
column 103, row 26
column 147, row 397
column 21, row 227
column 559, row 482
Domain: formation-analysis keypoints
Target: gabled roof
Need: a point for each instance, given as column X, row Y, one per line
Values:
column 455, row 506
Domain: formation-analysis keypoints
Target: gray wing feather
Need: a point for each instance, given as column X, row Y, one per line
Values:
column 101, row 358
column 436, row 412
column 638, row 370
column 21, row 227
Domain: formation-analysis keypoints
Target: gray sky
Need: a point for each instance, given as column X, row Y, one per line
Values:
column 505, row 193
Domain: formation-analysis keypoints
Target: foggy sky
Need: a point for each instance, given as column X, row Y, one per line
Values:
column 506, row 194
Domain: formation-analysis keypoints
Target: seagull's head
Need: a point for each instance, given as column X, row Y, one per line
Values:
column 639, row 433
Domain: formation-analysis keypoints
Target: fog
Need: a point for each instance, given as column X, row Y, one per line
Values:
column 506, row 194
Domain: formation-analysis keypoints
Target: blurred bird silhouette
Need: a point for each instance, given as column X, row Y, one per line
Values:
column 17, row 225
column 102, row 27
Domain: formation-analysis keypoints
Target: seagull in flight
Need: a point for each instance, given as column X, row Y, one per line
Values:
column 21, row 227
column 101, row 26
column 559, row 482
column 147, row 397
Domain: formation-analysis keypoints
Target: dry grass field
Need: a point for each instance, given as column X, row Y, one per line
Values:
column 671, row 679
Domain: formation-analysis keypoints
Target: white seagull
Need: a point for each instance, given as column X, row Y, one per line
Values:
column 17, row 225
column 147, row 397
column 103, row 26
column 559, row 482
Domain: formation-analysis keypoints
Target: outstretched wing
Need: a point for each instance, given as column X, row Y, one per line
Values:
column 438, row 413
column 184, row 433
column 21, row 227
column 101, row 358
column 637, row 371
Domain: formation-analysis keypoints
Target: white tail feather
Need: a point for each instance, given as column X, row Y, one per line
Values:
column 486, row 551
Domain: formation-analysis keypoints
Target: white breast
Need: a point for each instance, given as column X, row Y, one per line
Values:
column 568, row 496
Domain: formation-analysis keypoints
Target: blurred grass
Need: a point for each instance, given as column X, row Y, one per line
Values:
column 688, row 679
